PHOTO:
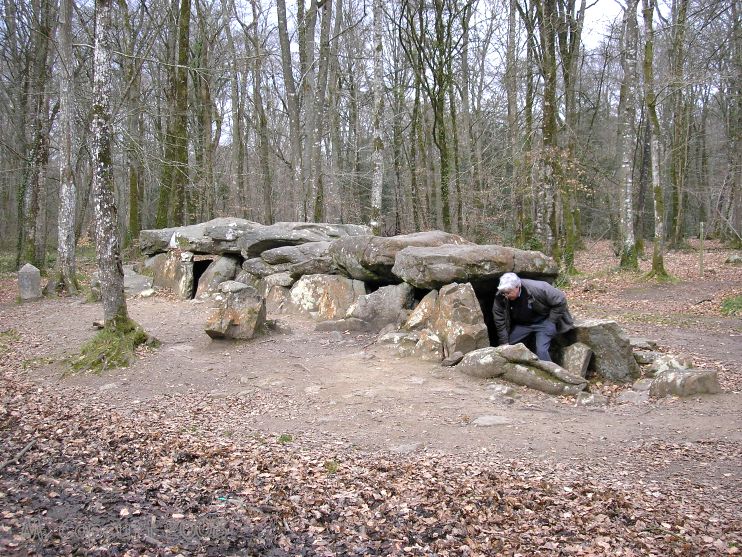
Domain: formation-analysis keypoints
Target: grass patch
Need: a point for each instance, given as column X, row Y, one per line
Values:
column 331, row 466
column 285, row 438
column 7, row 338
column 36, row 362
column 732, row 306
column 111, row 348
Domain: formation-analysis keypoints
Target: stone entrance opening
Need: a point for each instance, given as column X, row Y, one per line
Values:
column 200, row 264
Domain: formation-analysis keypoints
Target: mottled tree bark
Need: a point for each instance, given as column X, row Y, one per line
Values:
column 626, row 144
column 377, row 153
column 64, row 278
column 108, row 252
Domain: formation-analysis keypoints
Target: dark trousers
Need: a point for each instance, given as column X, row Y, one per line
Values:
column 543, row 330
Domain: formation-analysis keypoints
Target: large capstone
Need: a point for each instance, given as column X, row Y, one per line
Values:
column 256, row 241
column 371, row 258
column 312, row 258
column 216, row 236
column 433, row 267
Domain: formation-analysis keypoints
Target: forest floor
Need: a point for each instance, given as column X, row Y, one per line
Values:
column 308, row 443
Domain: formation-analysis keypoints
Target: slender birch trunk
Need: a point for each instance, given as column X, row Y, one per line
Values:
column 626, row 136
column 108, row 252
column 377, row 154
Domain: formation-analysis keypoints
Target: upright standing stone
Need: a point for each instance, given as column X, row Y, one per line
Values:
column 29, row 283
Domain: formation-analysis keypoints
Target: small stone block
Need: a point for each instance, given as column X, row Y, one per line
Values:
column 29, row 283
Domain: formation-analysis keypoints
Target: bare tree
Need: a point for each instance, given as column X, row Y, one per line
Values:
column 108, row 252
column 377, row 156
column 650, row 102
column 65, row 276
column 626, row 145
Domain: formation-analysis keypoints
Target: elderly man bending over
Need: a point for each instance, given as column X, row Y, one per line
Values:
column 525, row 307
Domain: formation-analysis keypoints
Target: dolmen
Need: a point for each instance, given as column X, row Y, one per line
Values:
column 427, row 294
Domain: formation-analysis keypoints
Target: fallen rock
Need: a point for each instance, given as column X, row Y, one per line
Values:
column 734, row 259
column 576, row 358
column 239, row 314
column 517, row 364
column 433, row 267
column 221, row 269
column 393, row 337
column 277, row 299
column 134, row 283
column 646, row 357
column 485, row 363
column 325, row 297
column 640, row 343
column 258, row 240
column 371, row 258
column 642, row 385
column 29, row 283
column 614, row 359
column 685, row 382
column 669, row 362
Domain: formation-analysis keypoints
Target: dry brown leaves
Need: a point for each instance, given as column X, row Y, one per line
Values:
column 166, row 480
column 601, row 285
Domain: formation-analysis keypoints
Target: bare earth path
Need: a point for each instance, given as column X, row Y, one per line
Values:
column 341, row 399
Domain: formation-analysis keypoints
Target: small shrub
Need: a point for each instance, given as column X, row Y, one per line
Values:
column 732, row 306
column 285, row 438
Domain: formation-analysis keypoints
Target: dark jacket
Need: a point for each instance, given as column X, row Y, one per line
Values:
column 545, row 300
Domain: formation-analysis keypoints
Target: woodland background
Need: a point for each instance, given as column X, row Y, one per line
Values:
column 497, row 119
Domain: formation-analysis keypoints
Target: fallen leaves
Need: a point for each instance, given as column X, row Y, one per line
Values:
column 145, row 483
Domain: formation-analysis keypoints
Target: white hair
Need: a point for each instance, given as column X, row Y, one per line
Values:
column 508, row 282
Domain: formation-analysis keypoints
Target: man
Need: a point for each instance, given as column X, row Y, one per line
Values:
column 525, row 307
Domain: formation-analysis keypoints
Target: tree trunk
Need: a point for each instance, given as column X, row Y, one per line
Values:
column 650, row 101
column 108, row 252
column 679, row 140
column 31, row 249
column 292, row 99
column 179, row 180
column 626, row 136
column 65, row 278
column 377, row 153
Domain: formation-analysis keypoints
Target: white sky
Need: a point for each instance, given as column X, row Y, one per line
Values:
column 597, row 20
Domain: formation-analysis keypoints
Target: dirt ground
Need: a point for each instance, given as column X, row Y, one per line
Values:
column 344, row 391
